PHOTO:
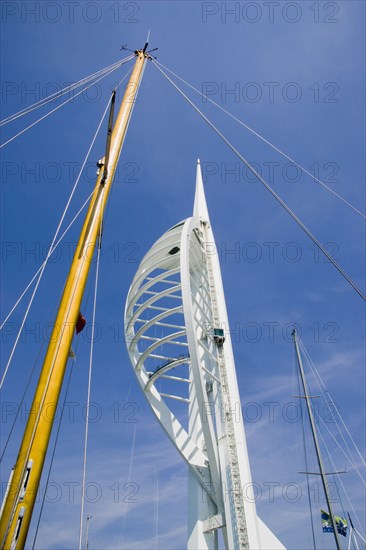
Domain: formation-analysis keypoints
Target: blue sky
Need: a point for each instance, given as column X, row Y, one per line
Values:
column 309, row 51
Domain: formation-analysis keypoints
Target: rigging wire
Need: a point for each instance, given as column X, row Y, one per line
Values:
column 156, row 514
column 42, row 403
column 68, row 384
column 58, row 429
column 60, row 93
column 89, row 389
column 317, row 377
column 121, row 540
column 27, row 386
column 59, row 106
column 52, row 245
column 52, row 251
column 268, row 187
column 53, row 453
column 21, row 401
column 59, row 240
column 277, row 149
column 335, row 474
column 321, row 383
column 305, row 452
column 348, row 456
column 341, row 483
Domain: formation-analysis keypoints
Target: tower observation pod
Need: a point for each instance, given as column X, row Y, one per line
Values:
column 175, row 321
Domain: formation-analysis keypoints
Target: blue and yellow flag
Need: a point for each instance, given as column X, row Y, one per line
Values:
column 341, row 524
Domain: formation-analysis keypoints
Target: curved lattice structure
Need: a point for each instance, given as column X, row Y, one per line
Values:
column 174, row 320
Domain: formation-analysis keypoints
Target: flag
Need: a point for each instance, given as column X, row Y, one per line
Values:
column 341, row 524
column 80, row 323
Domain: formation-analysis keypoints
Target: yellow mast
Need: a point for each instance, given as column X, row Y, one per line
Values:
column 22, row 490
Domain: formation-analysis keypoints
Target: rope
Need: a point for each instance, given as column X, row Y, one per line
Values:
column 53, row 455
column 306, row 459
column 268, row 187
column 340, row 481
column 121, row 540
column 21, row 402
column 60, row 93
column 40, row 410
column 59, row 106
column 335, row 474
column 349, row 458
column 321, row 383
column 29, row 381
column 277, row 149
column 52, row 246
column 89, row 389
column 42, row 403
column 156, row 483
column 97, row 275
column 60, row 239
column 52, row 251
column 318, row 378
column 58, row 430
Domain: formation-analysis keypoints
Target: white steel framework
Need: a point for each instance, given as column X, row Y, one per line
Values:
column 175, row 325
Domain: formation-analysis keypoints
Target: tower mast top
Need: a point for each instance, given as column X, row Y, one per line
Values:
column 200, row 206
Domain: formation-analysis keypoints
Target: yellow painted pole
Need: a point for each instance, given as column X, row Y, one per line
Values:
column 20, row 498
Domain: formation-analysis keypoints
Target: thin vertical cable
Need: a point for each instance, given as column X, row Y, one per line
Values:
column 89, row 391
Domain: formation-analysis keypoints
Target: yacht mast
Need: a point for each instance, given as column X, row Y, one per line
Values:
column 316, row 443
column 25, row 477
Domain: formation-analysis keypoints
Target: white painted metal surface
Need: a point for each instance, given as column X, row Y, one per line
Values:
column 188, row 375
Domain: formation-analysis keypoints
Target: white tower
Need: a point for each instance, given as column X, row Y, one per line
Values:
column 175, row 321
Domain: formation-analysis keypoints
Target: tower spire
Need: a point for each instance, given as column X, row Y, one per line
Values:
column 200, row 206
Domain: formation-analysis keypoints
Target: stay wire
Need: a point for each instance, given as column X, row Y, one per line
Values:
column 52, row 251
column 26, row 388
column 317, row 377
column 53, row 110
column 120, row 545
column 306, row 460
column 328, row 395
column 53, row 243
column 341, row 483
column 121, row 541
column 58, row 431
column 156, row 514
column 89, row 388
column 92, row 193
column 21, row 402
column 40, row 409
column 268, row 187
column 335, row 474
column 348, row 456
column 59, row 240
column 53, row 455
column 59, row 106
column 277, row 149
column 32, row 372
column 62, row 92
